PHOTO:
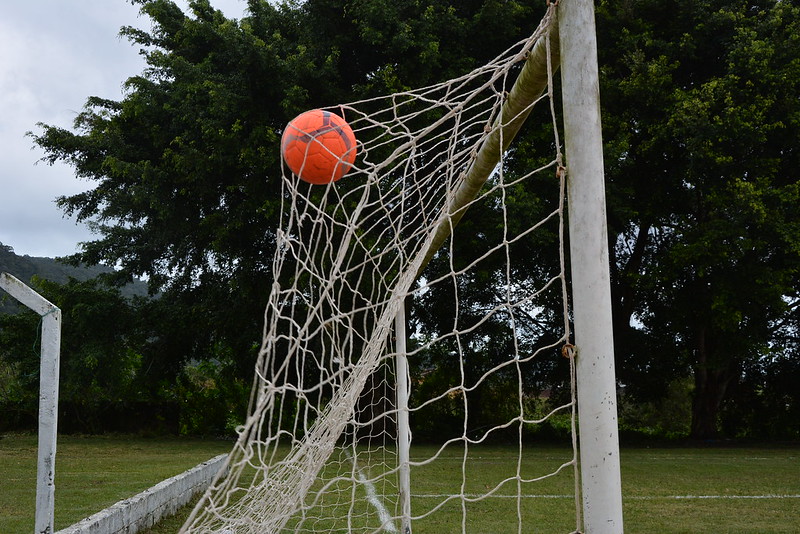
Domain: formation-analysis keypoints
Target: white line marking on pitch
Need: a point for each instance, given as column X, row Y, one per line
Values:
column 630, row 497
column 372, row 496
column 719, row 497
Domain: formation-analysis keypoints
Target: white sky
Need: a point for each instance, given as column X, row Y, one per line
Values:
column 54, row 54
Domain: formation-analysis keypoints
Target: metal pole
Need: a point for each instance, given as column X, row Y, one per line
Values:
column 48, row 397
column 403, row 429
column 596, row 381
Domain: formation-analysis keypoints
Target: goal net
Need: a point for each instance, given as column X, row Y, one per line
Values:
column 364, row 420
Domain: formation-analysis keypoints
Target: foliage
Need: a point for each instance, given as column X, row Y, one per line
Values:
column 700, row 120
column 667, row 417
column 765, row 402
column 701, row 117
column 212, row 399
column 26, row 267
column 112, row 374
column 186, row 166
column 99, row 361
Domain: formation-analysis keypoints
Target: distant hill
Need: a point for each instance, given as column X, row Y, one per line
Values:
column 25, row 267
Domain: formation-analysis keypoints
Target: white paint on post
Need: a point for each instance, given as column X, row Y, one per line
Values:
column 596, row 380
column 48, row 397
column 403, row 429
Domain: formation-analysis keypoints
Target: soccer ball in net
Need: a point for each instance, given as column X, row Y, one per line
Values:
column 318, row 146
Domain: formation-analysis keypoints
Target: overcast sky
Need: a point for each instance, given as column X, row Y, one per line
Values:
column 53, row 55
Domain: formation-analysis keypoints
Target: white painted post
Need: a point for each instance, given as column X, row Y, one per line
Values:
column 48, row 397
column 597, row 400
column 403, row 429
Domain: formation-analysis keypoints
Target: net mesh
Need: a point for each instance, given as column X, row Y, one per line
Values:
column 320, row 449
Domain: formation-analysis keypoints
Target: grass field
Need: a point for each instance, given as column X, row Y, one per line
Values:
column 665, row 490
column 92, row 473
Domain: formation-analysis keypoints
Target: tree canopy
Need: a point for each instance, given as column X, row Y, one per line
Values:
column 700, row 117
column 701, row 120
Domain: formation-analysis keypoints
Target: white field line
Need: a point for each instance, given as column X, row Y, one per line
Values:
column 720, row 497
column 630, row 497
column 372, row 496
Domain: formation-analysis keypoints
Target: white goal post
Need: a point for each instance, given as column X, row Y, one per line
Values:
column 591, row 287
column 48, row 397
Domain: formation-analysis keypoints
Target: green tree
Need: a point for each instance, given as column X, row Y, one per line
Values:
column 701, row 118
column 186, row 168
column 100, row 361
column 700, row 123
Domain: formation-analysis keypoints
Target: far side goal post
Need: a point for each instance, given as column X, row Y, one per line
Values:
column 48, row 397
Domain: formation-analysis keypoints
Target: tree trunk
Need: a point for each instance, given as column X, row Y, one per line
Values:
column 624, row 298
column 711, row 384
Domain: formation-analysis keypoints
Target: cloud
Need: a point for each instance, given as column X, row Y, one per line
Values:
column 54, row 54
column 52, row 57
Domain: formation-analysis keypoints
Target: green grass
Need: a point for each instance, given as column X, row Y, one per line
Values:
column 92, row 473
column 665, row 490
column 711, row 490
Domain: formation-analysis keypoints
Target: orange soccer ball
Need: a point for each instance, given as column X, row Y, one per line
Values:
column 318, row 146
